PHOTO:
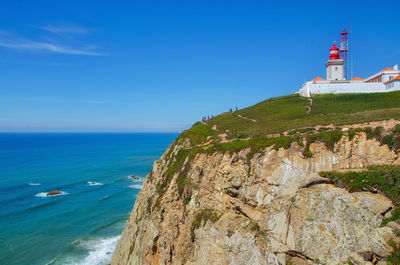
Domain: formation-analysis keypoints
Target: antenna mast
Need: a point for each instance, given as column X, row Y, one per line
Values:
column 344, row 47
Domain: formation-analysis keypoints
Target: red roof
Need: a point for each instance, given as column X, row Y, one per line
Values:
column 334, row 48
column 395, row 78
column 318, row 79
column 357, row 78
column 388, row 69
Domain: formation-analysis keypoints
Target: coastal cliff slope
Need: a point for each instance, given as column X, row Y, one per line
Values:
column 288, row 181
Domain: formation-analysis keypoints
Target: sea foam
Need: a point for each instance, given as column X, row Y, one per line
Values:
column 100, row 251
column 34, row 184
column 136, row 186
column 92, row 183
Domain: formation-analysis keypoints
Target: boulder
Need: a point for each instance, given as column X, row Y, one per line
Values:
column 54, row 193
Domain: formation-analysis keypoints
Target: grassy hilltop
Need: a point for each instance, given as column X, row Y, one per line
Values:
column 279, row 114
column 285, row 119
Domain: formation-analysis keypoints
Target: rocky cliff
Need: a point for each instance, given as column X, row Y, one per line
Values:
column 273, row 199
column 274, row 208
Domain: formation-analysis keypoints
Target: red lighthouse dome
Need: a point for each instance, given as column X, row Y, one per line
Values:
column 334, row 53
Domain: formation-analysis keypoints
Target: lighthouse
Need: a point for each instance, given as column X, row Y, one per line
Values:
column 337, row 81
column 334, row 66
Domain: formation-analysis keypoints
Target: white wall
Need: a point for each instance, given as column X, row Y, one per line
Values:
column 337, row 88
column 335, row 72
column 386, row 75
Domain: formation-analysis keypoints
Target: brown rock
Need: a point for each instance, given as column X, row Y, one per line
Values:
column 54, row 192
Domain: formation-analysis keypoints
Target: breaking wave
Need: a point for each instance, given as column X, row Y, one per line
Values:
column 92, row 183
column 99, row 252
column 136, row 186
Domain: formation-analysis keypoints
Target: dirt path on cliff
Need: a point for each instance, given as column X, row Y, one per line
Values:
column 253, row 120
column 309, row 106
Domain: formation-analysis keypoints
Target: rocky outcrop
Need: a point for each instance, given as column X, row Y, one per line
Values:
column 54, row 193
column 272, row 209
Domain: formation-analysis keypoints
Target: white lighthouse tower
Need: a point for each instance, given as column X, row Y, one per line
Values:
column 334, row 66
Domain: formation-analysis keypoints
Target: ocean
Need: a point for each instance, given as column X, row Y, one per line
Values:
column 83, row 224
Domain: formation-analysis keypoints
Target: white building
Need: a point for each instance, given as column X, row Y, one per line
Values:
column 384, row 81
column 393, row 84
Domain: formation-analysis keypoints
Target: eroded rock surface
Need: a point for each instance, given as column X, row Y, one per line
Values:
column 269, row 210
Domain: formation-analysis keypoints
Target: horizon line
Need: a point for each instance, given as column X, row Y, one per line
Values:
column 75, row 132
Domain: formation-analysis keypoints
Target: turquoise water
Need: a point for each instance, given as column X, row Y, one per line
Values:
column 83, row 225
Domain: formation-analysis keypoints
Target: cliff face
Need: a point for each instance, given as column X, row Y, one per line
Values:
column 269, row 208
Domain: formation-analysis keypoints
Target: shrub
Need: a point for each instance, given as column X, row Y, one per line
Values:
column 394, row 257
column 307, row 153
column 328, row 137
column 202, row 218
column 369, row 132
column 393, row 218
column 378, row 132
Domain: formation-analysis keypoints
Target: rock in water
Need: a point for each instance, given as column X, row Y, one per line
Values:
column 54, row 193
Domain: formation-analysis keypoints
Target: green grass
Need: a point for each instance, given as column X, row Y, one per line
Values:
column 276, row 115
column 289, row 113
column 394, row 257
column 269, row 115
column 351, row 103
column 198, row 133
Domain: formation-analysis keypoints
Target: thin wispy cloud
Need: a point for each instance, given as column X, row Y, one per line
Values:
column 8, row 40
column 32, row 45
column 65, row 29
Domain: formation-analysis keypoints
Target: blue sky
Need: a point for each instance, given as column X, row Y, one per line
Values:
column 127, row 66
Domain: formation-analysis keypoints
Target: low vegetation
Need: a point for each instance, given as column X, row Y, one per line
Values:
column 394, row 257
column 330, row 138
column 202, row 218
column 198, row 134
column 178, row 166
column 277, row 115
